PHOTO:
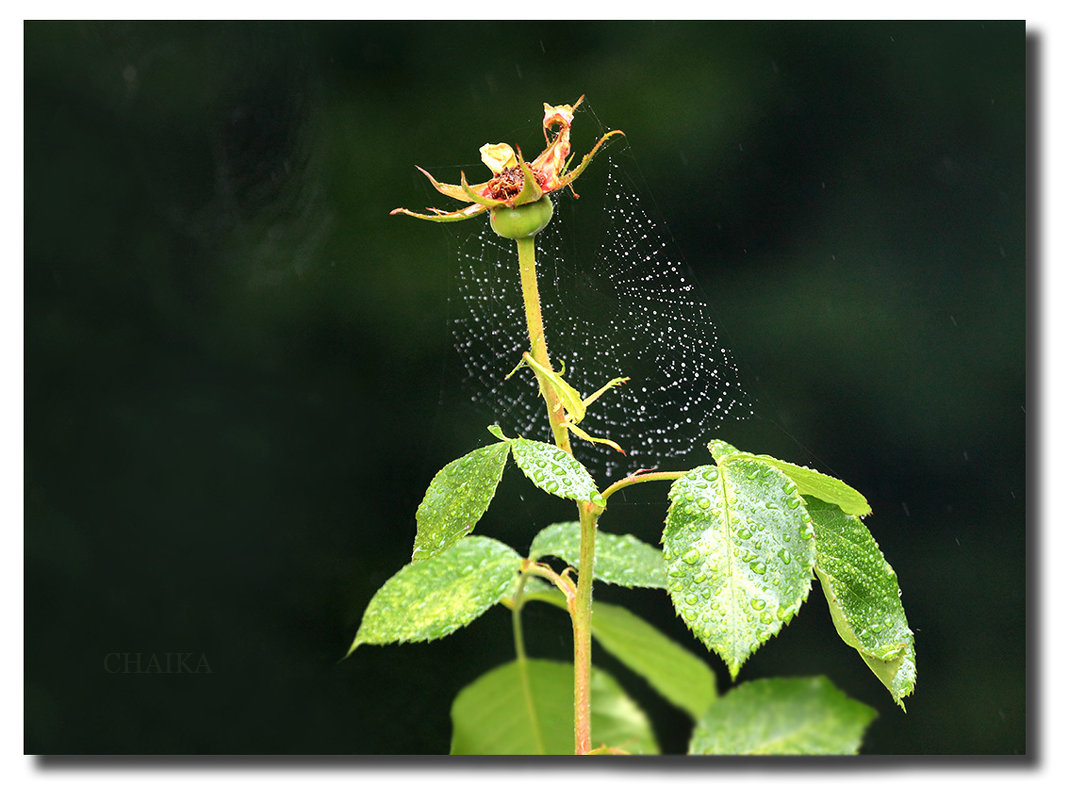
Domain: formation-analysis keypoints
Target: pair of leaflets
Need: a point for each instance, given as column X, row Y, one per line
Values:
column 454, row 577
column 742, row 541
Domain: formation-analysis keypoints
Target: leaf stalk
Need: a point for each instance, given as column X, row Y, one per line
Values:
column 640, row 477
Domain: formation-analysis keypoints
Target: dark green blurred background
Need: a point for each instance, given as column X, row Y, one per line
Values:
column 234, row 383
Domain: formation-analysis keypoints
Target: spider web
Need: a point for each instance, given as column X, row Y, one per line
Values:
column 627, row 309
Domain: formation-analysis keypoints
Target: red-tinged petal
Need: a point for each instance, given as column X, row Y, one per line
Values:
column 549, row 163
column 559, row 115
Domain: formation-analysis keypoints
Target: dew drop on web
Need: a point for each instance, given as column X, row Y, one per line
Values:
column 622, row 308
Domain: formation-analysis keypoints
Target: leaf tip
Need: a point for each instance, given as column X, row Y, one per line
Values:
column 497, row 432
column 719, row 449
column 353, row 647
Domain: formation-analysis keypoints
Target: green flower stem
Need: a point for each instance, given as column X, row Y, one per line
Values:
column 581, row 603
column 640, row 478
column 532, row 306
column 582, row 617
column 581, row 624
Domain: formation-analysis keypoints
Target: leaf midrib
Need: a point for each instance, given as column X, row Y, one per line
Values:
column 732, row 586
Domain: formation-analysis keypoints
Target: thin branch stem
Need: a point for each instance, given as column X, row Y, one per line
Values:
column 521, row 662
column 639, row 478
column 563, row 583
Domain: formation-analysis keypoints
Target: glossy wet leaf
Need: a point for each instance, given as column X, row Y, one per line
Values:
column 492, row 716
column 554, row 470
column 863, row 597
column 738, row 548
column 618, row 558
column 431, row 598
column 457, row 498
column 808, row 481
column 782, row 716
column 681, row 677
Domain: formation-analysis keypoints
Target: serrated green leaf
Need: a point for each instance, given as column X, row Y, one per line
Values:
column 457, row 498
column 492, row 716
column 863, row 597
column 738, row 548
column 810, row 482
column 555, row 471
column 780, row 717
column 618, row 558
column 428, row 599
column 682, row 678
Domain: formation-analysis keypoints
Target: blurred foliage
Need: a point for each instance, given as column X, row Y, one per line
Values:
column 237, row 363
